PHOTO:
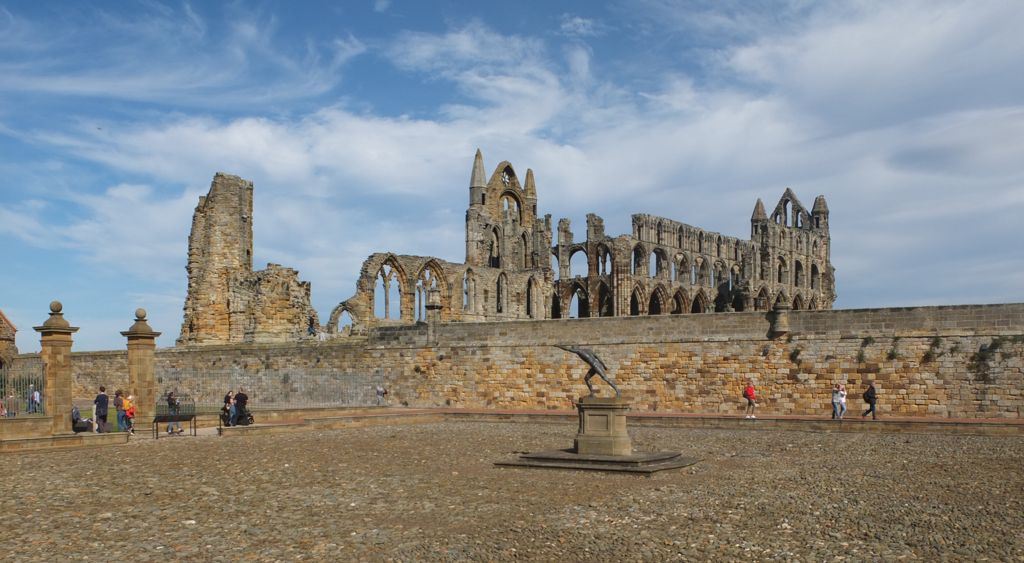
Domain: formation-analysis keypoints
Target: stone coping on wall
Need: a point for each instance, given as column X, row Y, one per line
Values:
column 64, row 441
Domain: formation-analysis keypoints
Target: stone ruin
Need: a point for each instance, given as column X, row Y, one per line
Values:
column 227, row 301
column 516, row 267
column 8, row 349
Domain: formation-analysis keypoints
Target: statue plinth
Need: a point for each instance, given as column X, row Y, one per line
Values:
column 603, row 427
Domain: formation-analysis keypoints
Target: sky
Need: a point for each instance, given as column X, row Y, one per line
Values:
column 358, row 122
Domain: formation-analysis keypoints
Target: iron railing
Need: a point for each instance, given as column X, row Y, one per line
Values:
column 272, row 388
column 22, row 391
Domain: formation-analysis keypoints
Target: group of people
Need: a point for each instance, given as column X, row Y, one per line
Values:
column 33, row 403
column 234, row 406
column 838, row 400
column 124, row 408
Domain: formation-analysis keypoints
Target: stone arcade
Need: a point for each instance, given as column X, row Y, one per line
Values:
column 515, row 268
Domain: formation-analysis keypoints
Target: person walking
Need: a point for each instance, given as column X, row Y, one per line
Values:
column 751, row 397
column 871, row 398
column 100, row 406
column 381, row 392
column 119, row 407
column 842, row 400
column 173, row 407
column 835, row 401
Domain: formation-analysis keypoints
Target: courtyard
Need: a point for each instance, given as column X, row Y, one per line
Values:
column 431, row 492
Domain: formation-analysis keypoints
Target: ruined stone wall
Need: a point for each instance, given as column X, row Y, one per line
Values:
column 956, row 361
column 227, row 301
column 8, row 349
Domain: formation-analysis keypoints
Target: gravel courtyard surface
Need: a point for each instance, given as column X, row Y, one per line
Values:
column 431, row 492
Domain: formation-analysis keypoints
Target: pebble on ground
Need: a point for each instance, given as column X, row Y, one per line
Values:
column 431, row 493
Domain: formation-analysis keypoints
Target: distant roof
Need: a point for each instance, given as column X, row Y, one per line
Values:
column 5, row 320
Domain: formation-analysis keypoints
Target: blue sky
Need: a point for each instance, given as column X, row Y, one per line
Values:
column 358, row 122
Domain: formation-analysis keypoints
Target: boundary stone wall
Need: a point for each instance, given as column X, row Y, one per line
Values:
column 952, row 361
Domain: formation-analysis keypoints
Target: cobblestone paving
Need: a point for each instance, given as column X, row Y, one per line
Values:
column 431, row 493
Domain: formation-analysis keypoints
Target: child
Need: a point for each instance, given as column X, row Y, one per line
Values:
column 129, row 414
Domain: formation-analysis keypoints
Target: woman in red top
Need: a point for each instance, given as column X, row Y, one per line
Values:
column 751, row 398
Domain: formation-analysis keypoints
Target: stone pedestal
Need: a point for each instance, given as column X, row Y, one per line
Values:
column 56, row 355
column 142, row 366
column 603, row 427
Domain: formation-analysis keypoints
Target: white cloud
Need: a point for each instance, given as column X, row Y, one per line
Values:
column 577, row 26
column 241, row 66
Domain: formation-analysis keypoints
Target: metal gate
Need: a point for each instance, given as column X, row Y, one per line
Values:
column 22, row 389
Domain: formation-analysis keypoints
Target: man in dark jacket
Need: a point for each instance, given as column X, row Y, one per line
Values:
column 102, row 403
column 871, row 397
column 241, row 400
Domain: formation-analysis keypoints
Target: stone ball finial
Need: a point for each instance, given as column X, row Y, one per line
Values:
column 140, row 314
column 56, row 306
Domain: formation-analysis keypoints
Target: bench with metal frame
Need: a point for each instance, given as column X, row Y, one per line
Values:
column 185, row 412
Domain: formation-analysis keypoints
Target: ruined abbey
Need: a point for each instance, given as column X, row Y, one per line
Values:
column 516, row 268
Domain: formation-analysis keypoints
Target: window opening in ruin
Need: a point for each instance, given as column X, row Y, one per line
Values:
column 652, row 265
column 677, row 305
column 698, row 304
column 345, row 324
column 526, row 251
column 734, row 277
column 502, row 294
column 798, row 303
column 672, row 273
column 704, row 274
column 579, row 305
column 700, row 243
column 785, row 212
column 424, row 284
column 603, row 261
column 679, row 239
column 718, row 247
column 639, row 261
column 604, row 300
column 693, row 274
column 798, row 274
column 761, row 303
column 817, row 222
column 661, row 234
column 467, row 295
column 654, row 306
column 634, row 304
column 510, row 209
column 494, row 251
column 815, row 277
column 555, row 270
column 579, row 263
column 530, row 288
column 387, row 294
column 483, row 199
column 556, row 307
column 737, row 303
column 782, row 271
